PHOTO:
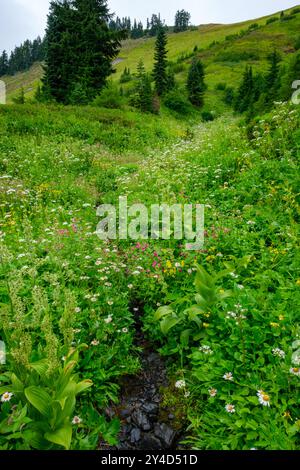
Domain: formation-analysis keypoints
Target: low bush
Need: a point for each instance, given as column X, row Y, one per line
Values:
column 207, row 116
column 176, row 101
column 272, row 20
column 110, row 98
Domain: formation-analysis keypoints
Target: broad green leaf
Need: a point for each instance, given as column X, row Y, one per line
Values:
column 163, row 312
column 195, row 310
column 61, row 437
column 168, row 323
column 40, row 399
column 40, row 367
column 82, row 386
column 185, row 336
column 6, row 388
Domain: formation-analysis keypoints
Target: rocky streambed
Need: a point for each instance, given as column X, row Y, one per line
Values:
column 146, row 422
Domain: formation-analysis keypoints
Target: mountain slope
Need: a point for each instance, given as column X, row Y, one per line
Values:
column 225, row 50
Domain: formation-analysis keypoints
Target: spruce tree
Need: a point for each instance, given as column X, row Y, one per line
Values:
column 160, row 63
column 97, row 46
column 272, row 79
column 246, row 92
column 61, row 60
column 80, row 48
column 4, row 63
column 182, row 20
column 195, row 83
column 144, row 95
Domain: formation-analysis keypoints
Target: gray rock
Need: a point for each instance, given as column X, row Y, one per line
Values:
column 151, row 409
column 150, row 442
column 135, row 435
column 165, row 434
column 141, row 420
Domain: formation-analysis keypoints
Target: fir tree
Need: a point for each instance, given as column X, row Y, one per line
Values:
column 246, row 93
column 272, row 80
column 160, row 63
column 156, row 24
column 126, row 76
column 182, row 21
column 80, row 49
column 4, row 66
column 38, row 94
column 61, row 60
column 144, row 93
column 195, row 83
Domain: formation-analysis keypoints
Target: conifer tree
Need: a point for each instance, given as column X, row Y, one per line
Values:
column 4, row 63
column 61, row 60
column 195, row 83
column 272, row 80
column 144, row 89
column 160, row 63
column 182, row 20
column 80, row 49
column 245, row 94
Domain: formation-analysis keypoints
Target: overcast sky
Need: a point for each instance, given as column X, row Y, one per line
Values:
column 26, row 19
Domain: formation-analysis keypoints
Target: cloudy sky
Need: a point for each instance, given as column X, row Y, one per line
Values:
column 26, row 19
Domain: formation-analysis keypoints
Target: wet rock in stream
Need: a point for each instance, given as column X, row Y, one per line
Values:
column 142, row 425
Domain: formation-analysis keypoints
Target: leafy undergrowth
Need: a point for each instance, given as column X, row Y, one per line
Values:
column 227, row 315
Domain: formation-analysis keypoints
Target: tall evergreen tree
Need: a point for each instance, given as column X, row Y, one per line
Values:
column 195, row 83
column 143, row 89
column 160, row 63
column 272, row 80
column 246, row 92
column 61, row 59
column 97, row 45
column 156, row 24
column 22, row 57
column 4, row 66
column 80, row 49
column 182, row 21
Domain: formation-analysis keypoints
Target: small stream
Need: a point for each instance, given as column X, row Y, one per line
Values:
column 145, row 423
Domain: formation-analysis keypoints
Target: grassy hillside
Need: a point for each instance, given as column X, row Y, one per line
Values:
column 203, row 345
column 224, row 58
column 62, row 288
column 28, row 80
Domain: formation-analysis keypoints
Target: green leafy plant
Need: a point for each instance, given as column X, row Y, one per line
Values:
column 47, row 402
column 187, row 316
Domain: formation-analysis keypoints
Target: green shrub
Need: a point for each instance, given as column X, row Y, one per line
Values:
column 295, row 11
column 253, row 26
column 229, row 96
column 288, row 17
column 212, row 44
column 272, row 20
column 126, row 76
column 207, row 116
column 176, row 101
column 297, row 44
column 221, row 86
column 231, row 37
column 110, row 98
